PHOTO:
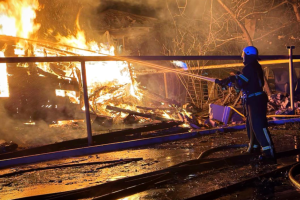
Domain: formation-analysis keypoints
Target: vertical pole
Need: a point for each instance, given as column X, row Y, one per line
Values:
column 166, row 85
column 291, row 73
column 86, row 105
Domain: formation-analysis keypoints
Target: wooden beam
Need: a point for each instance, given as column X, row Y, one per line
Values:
column 166, row 85
column 147, row 108
column 151, row 116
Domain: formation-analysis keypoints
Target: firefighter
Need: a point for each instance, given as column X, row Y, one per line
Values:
column 251, row 82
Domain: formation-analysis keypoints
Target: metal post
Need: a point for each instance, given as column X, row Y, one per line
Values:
column 291, row 73
column 166, row 85
column 86, row 104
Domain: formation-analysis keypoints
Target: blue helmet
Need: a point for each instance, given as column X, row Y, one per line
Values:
column 249, row 54
column 250, row 50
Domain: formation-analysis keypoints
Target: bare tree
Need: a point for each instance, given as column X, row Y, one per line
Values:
column 225, row 27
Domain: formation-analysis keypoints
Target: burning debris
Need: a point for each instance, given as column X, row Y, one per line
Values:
column 40, row 94
column 58, row 85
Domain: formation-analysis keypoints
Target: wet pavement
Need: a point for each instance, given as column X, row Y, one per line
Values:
column 156, row 157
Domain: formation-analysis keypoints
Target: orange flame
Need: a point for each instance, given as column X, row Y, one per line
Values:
column 17, row 17
column 100, row 73
column 4, row 92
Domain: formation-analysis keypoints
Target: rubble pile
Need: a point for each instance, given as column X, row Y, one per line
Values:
column 279, row 104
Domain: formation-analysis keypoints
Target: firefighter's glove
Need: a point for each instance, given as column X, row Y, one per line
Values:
column 218, row 81
column 223, row 83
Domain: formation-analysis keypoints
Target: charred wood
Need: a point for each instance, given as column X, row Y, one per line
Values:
column 151, row 116
column 58, row 50
column 147, row 108
column 158, row 98
column 55, row 68
column 104, row 121
column 131, row 119
column 96, row 92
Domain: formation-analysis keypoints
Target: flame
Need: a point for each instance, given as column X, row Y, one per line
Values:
column 186, row 125
column 65, row 123
column 116, row 73
column 17, row 17
column 98, row 72
column 68, row 93
column 167, row 116
column 4, row 91
column 68, row 122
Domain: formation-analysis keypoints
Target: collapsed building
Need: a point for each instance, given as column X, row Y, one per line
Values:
column 33, row 93
column 52, row 91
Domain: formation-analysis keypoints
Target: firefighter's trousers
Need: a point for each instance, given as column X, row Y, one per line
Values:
column 257, row 124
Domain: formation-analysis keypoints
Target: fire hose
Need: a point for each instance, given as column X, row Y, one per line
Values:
column 151, row 65
column 221, row 148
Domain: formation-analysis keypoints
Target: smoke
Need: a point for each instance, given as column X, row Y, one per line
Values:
column 156, row 8
column 151, row 8
column 59, row 16
column 12, row 129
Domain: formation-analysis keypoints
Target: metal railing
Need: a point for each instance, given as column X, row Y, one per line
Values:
column 138, row 59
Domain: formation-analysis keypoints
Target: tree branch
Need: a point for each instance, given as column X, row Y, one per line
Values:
column 264, row 12
column 285, row 25
column 294, row 3
column 242, row 27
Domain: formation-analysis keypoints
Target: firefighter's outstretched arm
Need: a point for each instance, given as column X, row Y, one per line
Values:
column 239, row 80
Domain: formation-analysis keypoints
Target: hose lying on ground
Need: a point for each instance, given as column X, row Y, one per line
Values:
column 221, row 148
